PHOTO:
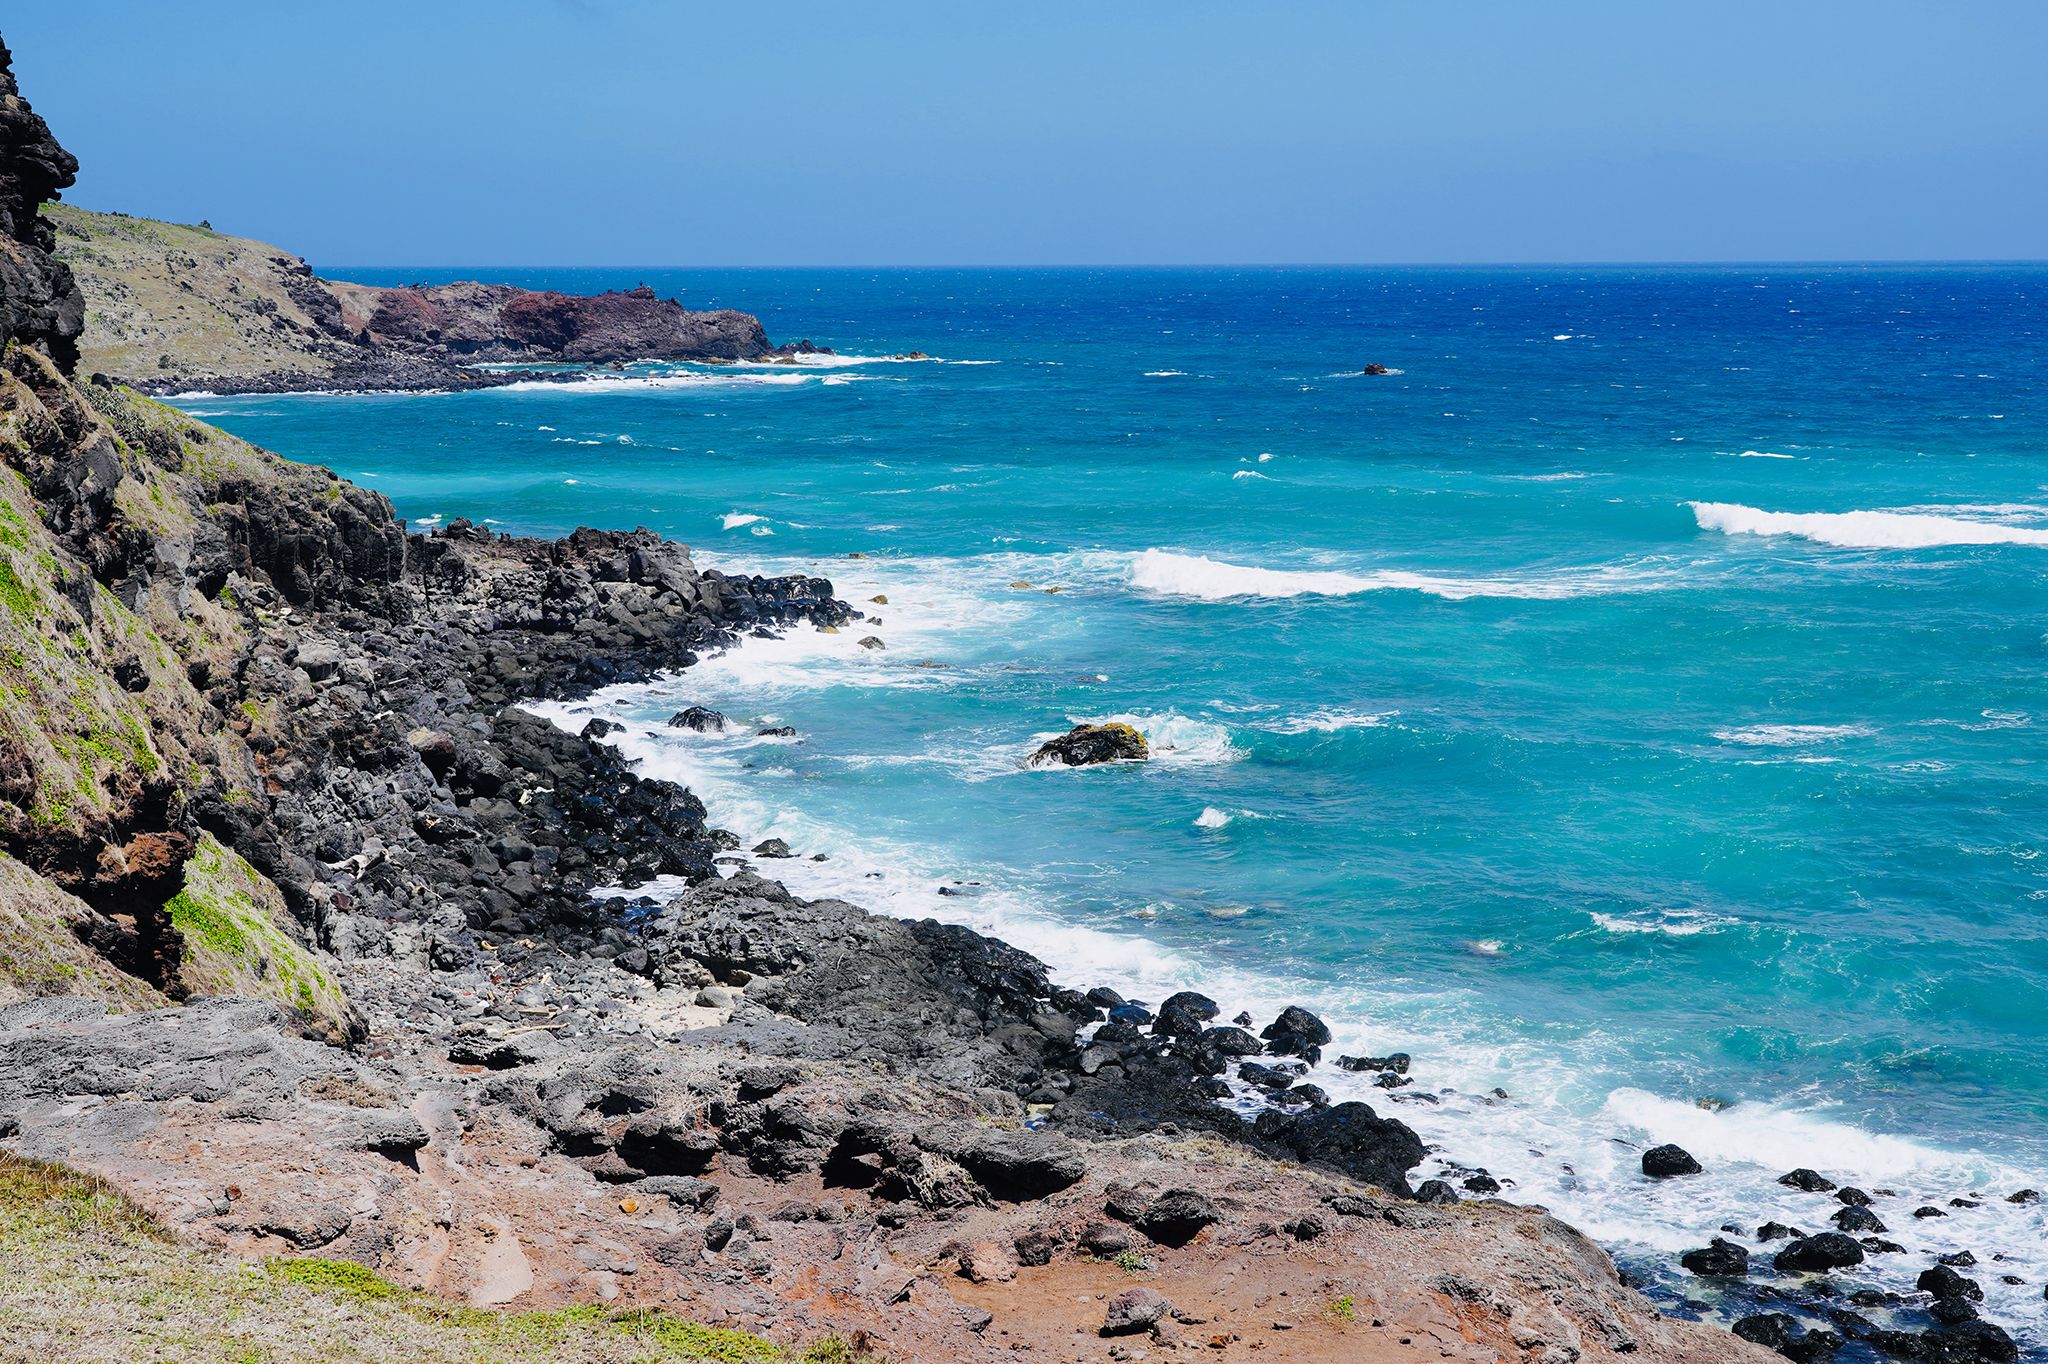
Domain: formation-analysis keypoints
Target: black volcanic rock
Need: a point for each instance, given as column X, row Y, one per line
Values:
column 1667, row 1162
column 40, row 303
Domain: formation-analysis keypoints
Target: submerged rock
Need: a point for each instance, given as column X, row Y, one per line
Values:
column 1087, row 744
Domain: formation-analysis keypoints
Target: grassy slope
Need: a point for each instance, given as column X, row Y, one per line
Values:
column 86, row 1276
column 142, row 320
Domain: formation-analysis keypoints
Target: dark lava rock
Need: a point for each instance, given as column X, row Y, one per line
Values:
column 779, row 732
column 772, row 847
column 1878, row 1246
column 1929, row 1212
column 2024, row 1196
column 1969, row 1343
column 1962, row 1259
column 1389, row 1080
column 1086, row 744
column 1722, row 1258
column 1666, row 1162
column 1854, row 1219
column 1299, row 1022
column 1230, row 1042
column 1772, row 1330
column 1397, row 1062
column 1177, row 1216
column 1854, row 1197
column 1807, row 1181
column 1482, row 1184
column 1952, row 1311
column 1266, row 1077
column 1944, row 1282
column 1817, row 1254
column 1200, row 1007
column 1036, row 1247
column 1435, row 1191
column 1352, row 1138
column 697, row 718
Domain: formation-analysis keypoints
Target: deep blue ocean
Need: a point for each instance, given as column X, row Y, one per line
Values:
column 1634, row 702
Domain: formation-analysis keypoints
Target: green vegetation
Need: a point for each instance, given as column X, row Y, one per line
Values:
column 1130, row 1262
column 1343, row 1309
column 17, row 595
column 87, row 1275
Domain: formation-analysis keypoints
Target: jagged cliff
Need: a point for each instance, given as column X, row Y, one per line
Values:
column 40, row 304
column 169, row 306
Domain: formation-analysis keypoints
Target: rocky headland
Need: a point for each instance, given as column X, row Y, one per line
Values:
column 299, row 951
column 170, row 307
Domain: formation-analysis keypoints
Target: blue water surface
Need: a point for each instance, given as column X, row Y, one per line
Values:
column 1542, row 708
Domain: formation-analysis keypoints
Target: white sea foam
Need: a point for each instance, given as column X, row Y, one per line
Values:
column 1570, row 1135
column 1187, row 575
column 1763, row 454
column 734, row 520
column 1863, row 529
column 1211, row 818
column 1677, row 924
column 1327, row 721
column 1251, row 473
column 1791, row 736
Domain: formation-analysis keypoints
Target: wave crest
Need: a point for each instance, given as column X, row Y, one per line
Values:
column 1863, row 529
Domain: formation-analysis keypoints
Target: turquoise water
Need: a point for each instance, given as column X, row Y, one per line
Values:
column 1636, row 699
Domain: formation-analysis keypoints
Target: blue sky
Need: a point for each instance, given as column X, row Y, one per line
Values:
column 606, row 132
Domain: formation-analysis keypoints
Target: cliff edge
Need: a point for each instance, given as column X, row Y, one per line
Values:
column 174, row 307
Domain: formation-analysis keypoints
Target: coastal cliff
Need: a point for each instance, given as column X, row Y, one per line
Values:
column 169, row 307
column 299, row 951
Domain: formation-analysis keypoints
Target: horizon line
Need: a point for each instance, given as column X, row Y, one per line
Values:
column 1873, row 263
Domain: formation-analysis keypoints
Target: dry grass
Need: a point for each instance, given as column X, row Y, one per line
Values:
column 85, row 1275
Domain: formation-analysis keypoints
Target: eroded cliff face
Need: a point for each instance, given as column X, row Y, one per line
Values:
column 40, row 303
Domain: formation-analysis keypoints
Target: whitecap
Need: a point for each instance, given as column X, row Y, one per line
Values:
column 1211, row 818
column 1165, row 373
column 1791, row 736
column 1763, row 454
column 1677, row 924
column 1186, row 575
column 734, row 520
column 1328, row 721
column 1862, row 529
column 1251, row 473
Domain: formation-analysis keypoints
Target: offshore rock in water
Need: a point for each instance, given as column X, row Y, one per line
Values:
column 1666, row 1162
column 1086, row 744
column 697, row 718
column 1817, row 1254
column 1721, row 1259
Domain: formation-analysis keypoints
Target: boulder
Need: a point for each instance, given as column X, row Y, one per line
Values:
column 698, row 718
column 1856, row 1219
column 1778, row 1231
column 1667, row 1162
column 988, row 1262
column 1854, row 1197
column 1807, row 1181
column 1436, row 1191
column 1133, row 1310
column 1772, row 1330
column 1818, row 1254
column 1353, row 1139
column 1720, row 1259
column 1086, row 744
column 1944, row 1282
column 1106, row 1239
column 1177, row 1216
column 1299, row 1022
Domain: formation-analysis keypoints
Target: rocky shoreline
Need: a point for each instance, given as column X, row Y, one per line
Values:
column 301, row 953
